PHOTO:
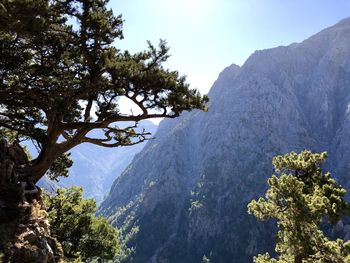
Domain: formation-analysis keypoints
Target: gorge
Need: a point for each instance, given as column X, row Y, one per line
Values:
column 185, row 195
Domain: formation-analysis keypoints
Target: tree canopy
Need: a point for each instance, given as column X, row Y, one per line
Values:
column 62, row 76
column 81, row 234
column 301, row 197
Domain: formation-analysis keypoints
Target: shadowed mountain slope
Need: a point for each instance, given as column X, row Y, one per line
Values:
column 187, row 191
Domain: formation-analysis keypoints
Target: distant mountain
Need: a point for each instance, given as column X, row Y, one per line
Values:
column 95, row 168
column 186, row 193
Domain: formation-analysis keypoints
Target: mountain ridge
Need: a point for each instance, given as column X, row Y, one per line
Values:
column 187, row 191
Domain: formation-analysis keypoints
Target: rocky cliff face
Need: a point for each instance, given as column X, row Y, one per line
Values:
column 187, row 191
column 24, row 226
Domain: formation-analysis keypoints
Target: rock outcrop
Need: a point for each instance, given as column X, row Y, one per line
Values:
column 24, row 227
column 186, row 193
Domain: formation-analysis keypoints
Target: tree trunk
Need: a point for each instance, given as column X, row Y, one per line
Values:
column 24, row 227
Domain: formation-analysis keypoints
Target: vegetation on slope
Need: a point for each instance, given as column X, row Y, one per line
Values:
column 301, row 197
column 81, row 234
column 60, row 80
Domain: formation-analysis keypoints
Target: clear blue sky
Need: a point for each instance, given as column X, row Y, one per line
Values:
column 207, row 35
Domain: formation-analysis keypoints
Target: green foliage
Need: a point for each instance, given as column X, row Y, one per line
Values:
column 59, row 168
column 60, row 81
column 81, row 233
column 301, row 197
column 8, row 134
column 126, row 252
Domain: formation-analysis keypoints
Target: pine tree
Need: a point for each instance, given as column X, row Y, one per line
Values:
column 301, row 197
column 62, row 77
column 82, row 234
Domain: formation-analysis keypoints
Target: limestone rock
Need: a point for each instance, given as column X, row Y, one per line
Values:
column 24, row 229
column 187, row 191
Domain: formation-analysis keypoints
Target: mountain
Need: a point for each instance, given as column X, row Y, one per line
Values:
column 185, row 195
column 95, row 168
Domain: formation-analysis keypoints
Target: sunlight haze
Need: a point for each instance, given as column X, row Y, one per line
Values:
column 205, row 36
